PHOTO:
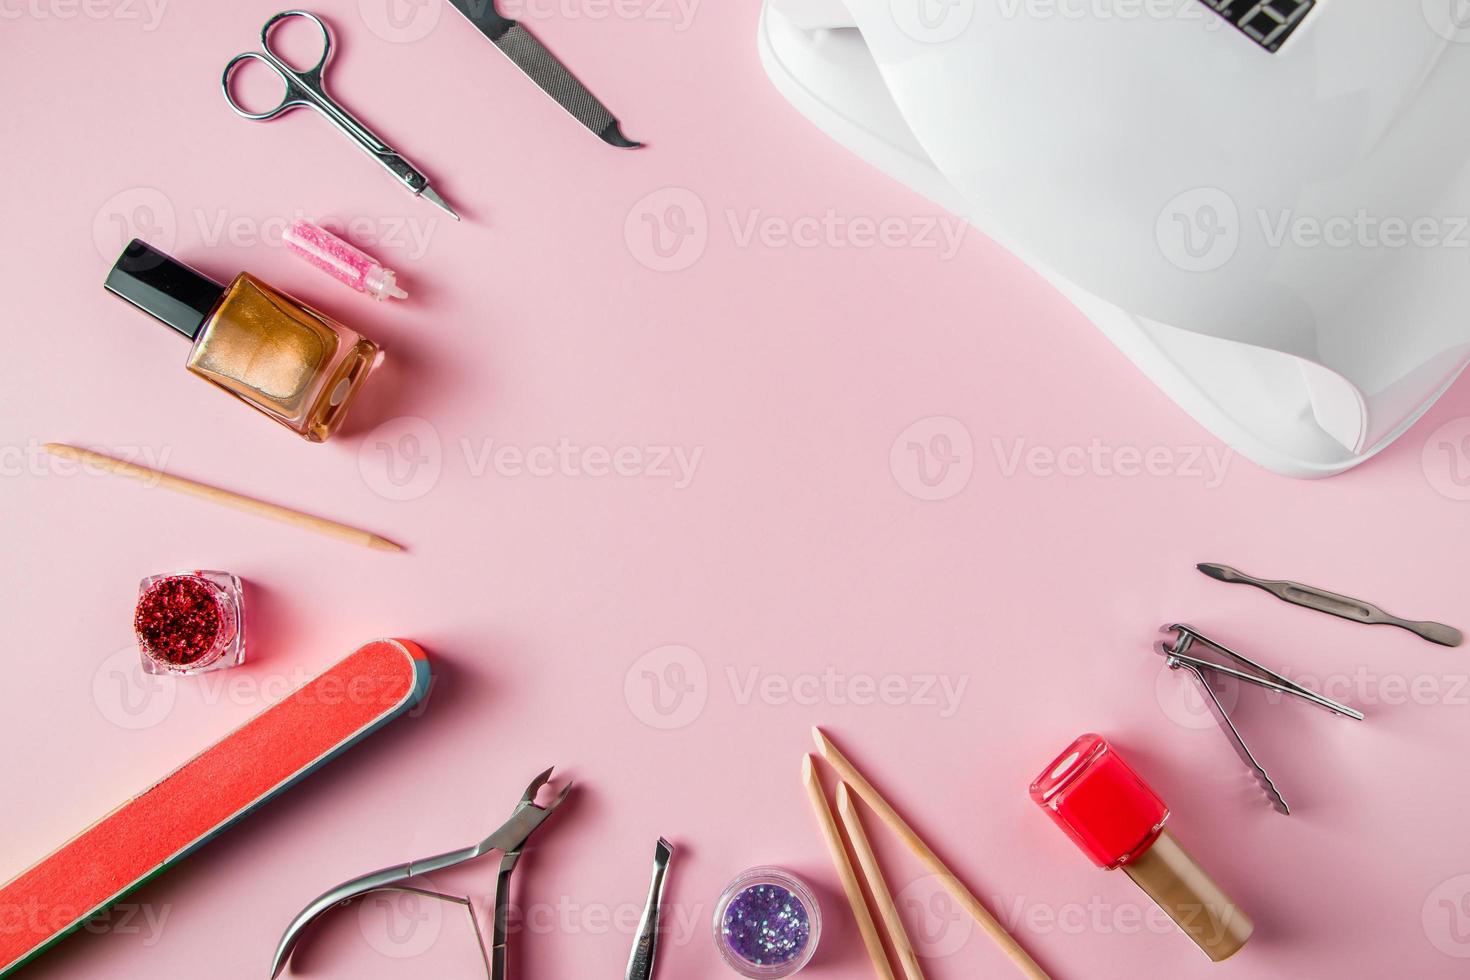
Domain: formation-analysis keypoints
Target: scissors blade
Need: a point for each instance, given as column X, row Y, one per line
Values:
column 543, row 68
column 432, row 196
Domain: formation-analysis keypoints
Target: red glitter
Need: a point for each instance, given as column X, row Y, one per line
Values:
column 179, row 620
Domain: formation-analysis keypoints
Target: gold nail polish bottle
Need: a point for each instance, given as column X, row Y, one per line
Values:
column 272, row 352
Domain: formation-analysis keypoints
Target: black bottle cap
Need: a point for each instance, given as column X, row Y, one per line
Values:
column 164, row 288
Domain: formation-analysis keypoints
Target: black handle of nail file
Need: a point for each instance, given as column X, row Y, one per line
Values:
column 482, row 14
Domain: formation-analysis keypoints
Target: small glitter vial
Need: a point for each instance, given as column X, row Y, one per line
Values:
column 767, row 924
column 341, row 260
column 190, row 622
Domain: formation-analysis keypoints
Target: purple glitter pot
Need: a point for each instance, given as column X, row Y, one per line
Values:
column 767, row 924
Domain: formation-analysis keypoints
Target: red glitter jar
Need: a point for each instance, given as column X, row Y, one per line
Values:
column 190, row 622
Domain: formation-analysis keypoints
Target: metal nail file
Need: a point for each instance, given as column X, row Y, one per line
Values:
column 1336, row 605
column 1177, row 654
column 645, row 947
column 531, row 56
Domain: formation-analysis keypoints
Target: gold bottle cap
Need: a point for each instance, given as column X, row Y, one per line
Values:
column 1191, row 898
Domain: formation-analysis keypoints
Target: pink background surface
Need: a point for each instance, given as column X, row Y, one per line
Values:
column 799, row 556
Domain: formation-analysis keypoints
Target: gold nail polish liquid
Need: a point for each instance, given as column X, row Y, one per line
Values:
column 273, row 352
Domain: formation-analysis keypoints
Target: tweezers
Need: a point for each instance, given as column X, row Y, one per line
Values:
column 645, row 945
column 1176, row 655
column 509, row 839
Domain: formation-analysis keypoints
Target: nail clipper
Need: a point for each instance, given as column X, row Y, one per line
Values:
column 508, row 840
column 1176, row 654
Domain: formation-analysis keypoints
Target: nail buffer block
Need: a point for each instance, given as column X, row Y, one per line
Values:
column 377, row 683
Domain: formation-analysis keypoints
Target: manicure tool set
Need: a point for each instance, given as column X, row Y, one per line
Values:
column 303, row 369
column 1096, row 798
column 1209, row 662
column 308, row 89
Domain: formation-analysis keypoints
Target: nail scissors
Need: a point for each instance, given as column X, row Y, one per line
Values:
column 308, row 88
column 508, row 840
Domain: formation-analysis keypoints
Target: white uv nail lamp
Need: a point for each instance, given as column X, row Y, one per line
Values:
column 1263, row 203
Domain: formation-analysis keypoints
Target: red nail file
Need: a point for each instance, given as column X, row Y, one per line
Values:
column 368, row 689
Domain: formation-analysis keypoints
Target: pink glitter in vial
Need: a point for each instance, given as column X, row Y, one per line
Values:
column 341, row 260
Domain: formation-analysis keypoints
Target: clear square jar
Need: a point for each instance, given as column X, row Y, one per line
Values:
column 190, row 622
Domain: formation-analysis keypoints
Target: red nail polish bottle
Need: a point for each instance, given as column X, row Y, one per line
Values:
column 1118, row 821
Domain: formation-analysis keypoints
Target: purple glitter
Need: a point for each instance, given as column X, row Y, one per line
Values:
column 766, row 925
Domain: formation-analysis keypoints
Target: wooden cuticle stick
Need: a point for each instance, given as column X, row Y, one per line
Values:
column 898, row 936
column 931, row 862
column 872, row 941
column 225, row 498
